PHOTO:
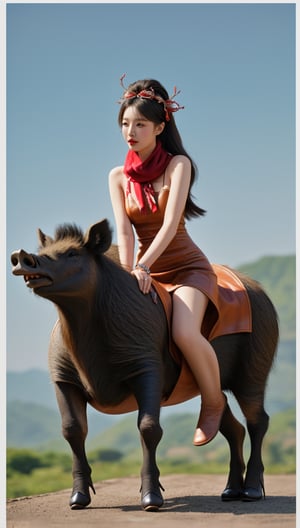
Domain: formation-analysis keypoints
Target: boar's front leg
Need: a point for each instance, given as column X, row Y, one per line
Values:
column 147, row 390
column 72, row 405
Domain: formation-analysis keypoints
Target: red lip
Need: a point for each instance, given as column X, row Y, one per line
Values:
column 132, row 142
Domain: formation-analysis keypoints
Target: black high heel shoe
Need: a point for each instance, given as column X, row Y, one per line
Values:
column 79, row 500
column 250, row 494
column 152, row 500
column 232, row 494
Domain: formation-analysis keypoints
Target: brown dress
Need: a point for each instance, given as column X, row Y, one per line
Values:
column 182, row 263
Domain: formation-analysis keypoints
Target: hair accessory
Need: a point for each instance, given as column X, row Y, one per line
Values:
column 170, row 106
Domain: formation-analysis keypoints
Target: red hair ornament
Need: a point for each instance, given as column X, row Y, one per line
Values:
column 170, row 106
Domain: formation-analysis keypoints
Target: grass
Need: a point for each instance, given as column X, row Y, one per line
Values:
column 51, row 479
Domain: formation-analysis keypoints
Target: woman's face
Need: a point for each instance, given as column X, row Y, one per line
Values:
column 139, row 133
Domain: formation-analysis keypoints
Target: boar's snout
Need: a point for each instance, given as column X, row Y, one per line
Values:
column 22, row 261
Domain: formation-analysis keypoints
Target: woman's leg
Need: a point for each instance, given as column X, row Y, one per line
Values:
column 189, row 307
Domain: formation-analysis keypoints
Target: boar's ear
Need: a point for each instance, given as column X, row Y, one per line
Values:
column 98, row 237
column 44, row 240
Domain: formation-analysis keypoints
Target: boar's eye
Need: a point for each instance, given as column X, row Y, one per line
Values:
column 72, row 253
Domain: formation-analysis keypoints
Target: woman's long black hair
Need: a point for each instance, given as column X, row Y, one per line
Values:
column 170, row 137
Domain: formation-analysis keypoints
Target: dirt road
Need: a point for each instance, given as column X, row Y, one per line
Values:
column 191, row 501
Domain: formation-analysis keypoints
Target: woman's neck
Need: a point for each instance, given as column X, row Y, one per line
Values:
column 145, row 153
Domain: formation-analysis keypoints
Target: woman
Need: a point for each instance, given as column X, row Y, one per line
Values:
column 152, row 194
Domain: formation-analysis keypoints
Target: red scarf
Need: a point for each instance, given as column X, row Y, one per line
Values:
column 142, row 173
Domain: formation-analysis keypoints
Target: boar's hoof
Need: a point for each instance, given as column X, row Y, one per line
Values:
column 253, row 494
column 152, row 501
column 231, row 494
column 78, row 501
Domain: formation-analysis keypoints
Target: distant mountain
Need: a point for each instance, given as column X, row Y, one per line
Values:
column 278, row 277
column 34, row 425
column 31, row 424
column 32, row 386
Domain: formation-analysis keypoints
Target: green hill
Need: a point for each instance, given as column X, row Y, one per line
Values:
column 29, row 424
column 39, row 427
column 278, row 277
column 279, row 448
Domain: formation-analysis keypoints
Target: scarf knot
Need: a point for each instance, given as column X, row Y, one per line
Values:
column 142, row 173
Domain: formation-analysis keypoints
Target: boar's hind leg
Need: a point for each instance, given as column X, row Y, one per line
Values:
column 72, row 405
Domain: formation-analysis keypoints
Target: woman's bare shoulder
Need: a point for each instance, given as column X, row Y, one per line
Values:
column 117, row 171
column 116, row 175
column 179, row 164
column 179, row 159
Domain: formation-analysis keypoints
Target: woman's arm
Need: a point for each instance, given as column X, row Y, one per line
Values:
column 179, row 172
column 125, row 233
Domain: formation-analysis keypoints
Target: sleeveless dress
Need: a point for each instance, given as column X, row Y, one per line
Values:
column 182, row 263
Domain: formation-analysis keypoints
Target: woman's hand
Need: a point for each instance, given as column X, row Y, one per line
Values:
column 144, row 280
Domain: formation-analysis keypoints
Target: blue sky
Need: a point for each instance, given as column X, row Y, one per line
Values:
column 235, row 67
